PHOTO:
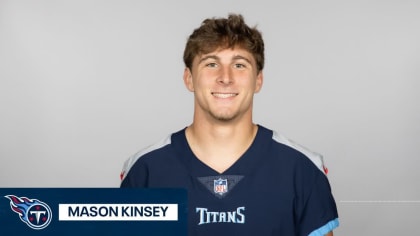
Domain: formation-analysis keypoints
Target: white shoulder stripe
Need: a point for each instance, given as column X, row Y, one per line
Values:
column 133, row 159
column 316, row 158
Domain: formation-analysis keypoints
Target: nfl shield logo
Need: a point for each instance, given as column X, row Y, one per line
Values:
column 220, row 186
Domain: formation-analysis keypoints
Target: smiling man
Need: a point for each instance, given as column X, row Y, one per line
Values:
column 242, row 178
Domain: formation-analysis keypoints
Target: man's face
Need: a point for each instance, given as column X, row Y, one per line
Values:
column 224, row 83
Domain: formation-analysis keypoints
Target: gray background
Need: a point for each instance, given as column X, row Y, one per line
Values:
column 85, row 84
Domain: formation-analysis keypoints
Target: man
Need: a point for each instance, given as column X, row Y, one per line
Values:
column 242, row 178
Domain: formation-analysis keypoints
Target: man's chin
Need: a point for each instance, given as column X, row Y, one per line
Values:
column 225, row 117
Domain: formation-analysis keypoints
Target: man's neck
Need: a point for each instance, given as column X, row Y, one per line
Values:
column 219, row 146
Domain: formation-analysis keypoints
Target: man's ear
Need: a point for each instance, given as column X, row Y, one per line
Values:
column 188, row 80
column 259, row 81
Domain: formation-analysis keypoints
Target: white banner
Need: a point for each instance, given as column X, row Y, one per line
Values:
column 118, row 212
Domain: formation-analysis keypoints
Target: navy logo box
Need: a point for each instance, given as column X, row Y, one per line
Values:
column 93, row 211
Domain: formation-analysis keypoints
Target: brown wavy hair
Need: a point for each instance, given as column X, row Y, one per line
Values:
column 230, row 32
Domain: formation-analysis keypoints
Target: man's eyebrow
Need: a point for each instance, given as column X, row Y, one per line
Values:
column 239, row 57
column 236, row 57
column 208, row 57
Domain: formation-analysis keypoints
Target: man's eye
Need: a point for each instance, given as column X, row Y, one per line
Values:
column 238, row 65
column 212, row 64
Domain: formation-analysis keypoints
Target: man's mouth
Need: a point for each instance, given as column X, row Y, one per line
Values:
column 224, row 95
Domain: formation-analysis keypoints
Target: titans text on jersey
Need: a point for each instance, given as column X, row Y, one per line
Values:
column 207, row 217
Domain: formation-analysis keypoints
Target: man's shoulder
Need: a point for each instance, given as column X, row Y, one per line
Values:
column 149, row 150
column 283, row 141
column 150, row 153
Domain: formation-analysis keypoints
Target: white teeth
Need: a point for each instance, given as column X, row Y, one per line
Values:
column 224, row 95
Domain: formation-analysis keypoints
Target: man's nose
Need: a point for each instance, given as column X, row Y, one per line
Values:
column 226, row 76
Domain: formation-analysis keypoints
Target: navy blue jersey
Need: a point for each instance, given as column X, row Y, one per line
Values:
column 275, row 188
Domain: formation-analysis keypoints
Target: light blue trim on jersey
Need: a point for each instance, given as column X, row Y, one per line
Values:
column 316, row 158
column 132, row 160
column 326, row 228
